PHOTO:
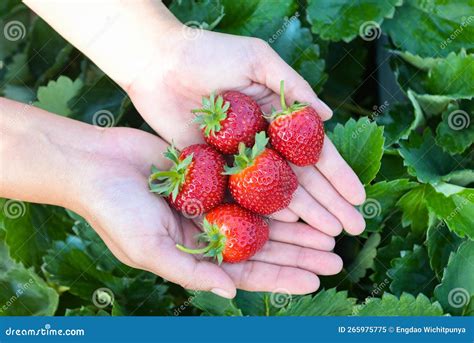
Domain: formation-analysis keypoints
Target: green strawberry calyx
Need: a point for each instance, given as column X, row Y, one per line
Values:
column 211, row 114
column 216, row 242
column 247, row 156
column 285, row 109
column 169, row 182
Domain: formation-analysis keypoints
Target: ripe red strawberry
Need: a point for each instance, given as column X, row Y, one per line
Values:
column 233, row 234
column 230, row 119
column 297, row 132
column 261, row 180
column 195, row 183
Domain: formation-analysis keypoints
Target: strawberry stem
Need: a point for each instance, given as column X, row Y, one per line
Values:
column 192, row 251
column 169, row 182
column 212, row 235
column 282, row 96
column 247, row 156
column 211, row 114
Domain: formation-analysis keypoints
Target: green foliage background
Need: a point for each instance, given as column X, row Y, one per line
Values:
column 395, row 72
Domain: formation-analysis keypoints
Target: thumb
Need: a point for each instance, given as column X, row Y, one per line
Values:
column 270, row 69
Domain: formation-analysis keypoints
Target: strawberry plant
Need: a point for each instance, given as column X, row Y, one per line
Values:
column 399, row 77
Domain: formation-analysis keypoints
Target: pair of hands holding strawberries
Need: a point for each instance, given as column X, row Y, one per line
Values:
column 261, row 181
column 166, row 79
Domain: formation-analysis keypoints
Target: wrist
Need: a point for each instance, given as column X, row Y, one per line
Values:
column 45, row 158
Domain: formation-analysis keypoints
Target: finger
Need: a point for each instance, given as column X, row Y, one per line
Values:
column 300, row 234
column 264, row 277
column 321, row 190
column 270, row 69
column 184, row 269
column 318, row 262
column 313, row 213
column 340, row 175
column 285, row 215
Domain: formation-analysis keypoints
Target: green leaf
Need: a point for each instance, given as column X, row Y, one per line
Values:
column 414, row 208
column 440, row 243
column 22, row 291
column 295, row 45
column 406, row 305
column 31, row 229
column 427, row 161
column 361, row 144
column 205, row 14
column 214, row 305
column 455, row 205
column 456, row 290
column 455, row 133
column 17, row 71
column 142, row 297
column 262, row 303
column 102, row 103
column 328, row 18
column 324, row 303
column 425, row 28
column 55, row 96
column 381, row 199
column 255, row 18
column 424, row 63
column 412, row 272
column 86, row 311
column 452, row 76
column 386, row 253
column 365, row 259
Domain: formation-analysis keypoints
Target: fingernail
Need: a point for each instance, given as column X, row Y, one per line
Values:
column 325, row 108
column 221, row 292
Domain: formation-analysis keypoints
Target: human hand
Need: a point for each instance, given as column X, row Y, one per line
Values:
column 102, row 174
column 145, row 49
column 166, row 91
column 142, row 231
